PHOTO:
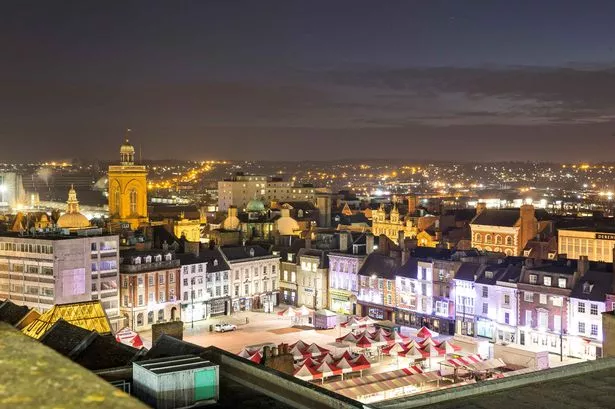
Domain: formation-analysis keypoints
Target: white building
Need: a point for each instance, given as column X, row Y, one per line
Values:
column 587, row 303
column 205, row 285
column 254, row 277
column 57, row 268
column 465, row 299
column 507, row 299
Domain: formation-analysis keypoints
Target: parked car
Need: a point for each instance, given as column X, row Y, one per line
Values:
column 224, row 327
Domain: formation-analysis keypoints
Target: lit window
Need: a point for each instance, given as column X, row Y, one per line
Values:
column 533, row 278
column 547, row 281
column 557, row 301
column 561, row 282
column 543, row 298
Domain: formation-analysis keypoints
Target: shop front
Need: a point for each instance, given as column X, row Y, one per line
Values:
column 485, row 328
column 377, row 312
column 242, row 304
column 342, row 302
column 415, row 320
column 506, row 334
column 194, row 312
column 219, row 306
column 465, row 326
column 585, row 348
column 288, row 296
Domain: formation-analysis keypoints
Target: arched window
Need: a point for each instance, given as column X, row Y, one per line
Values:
column 477, row 237
column 158, row 257
column 140, row 319
column 137, row 260
column 508, row 252
column 148, row 259
column 168, row 257
column 498, row 239
column 133, row 201
column 487, row 248
column 117, row 195
column 160, row 315
column 488, row 238
column 509, row 241
column 150, row 317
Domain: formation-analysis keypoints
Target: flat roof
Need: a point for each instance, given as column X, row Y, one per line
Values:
column 595, row 229
column 174, row 364
column 58, row 235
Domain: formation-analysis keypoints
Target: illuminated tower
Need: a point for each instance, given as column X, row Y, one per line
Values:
column 128, row 189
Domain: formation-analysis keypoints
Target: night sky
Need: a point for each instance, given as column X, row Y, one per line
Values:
column 421, row 80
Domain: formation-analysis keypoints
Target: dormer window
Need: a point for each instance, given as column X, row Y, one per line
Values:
column 251, row 252
column 215, row 262
column 489, row 274
column 546, row 280
column 587, row 288
column 158, row 257
column 137, row 260
column 168, row 257
column 148, row 259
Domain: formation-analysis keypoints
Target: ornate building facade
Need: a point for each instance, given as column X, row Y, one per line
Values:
column 128, row 189
column 391, row 226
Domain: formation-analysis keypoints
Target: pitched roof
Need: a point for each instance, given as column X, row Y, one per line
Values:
column 88, row 314
column 12, row 313
column 593, row 286
column 408, row 270
column 379, row 264
column 103, row 352
column 208, row 256
column 497, row 217
column 467, row 271
column 64, row 337
column 167, row 346
column 234, row 253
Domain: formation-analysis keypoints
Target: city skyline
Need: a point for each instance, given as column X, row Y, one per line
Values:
column 439, row 81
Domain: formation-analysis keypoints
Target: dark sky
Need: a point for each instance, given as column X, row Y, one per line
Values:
column 311, row 79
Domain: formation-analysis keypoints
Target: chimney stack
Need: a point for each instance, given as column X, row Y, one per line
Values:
column 400, row 238
column 369, row 243
column 480, row 207
column 344, row 241
column 383, row 244
column 583, row 265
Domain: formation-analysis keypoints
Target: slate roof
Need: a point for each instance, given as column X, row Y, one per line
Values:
column 512, row 274
column 431, row 253
column 103, row 352
column 467, row 271
column 167, row 346
column 64, row 337
column 408, row 270
column 205, row 255
column 598, row 284
column 237, row 253
column 300, row 205
column 321, row 254
column 12, row 313
column 381, row 265
column 497, row 217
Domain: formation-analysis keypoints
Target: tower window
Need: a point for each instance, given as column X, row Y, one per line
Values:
column 133, row 201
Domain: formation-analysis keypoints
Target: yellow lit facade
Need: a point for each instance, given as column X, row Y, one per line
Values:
column 392, row 225
column 189, row 228
column 595, row 244
column 128, row 189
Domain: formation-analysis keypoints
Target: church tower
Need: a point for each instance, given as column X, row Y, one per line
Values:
column 128, row 189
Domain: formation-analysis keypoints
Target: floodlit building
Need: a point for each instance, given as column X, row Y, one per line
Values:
column 240, row 189
column 596, row 243
column 12, row 191
column 128, row 189
column 150, row 287
column 46, row 268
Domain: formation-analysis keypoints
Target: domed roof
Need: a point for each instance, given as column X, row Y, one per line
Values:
column 127, row 147
column 255, row 206
column 73, row 221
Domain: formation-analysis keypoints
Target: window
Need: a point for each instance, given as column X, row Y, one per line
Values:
column 185, row 282
column 543, row 319
column 161, row 296
column 528, row 297
column 133, row 201
column 236, row 275
column 543, row 298
column 509, row 241
column 557, row 301
column 533, row 278
column 477, row 237
column 236, row 291
column 594, row 330
column 485, row 291
column 581, row 328
column 546, row 280
column 507, row 318
column 593, row 309
column 389, row 286
column 581, row 307
column 150, row 280
column 172, row 278
column 485, row 308
column 561, row 282
column 185, row 269
column 557, row 323
column 185, row 295
column 200, row 268
column 506, row 299
column 151, row 297
column 246, row 290
column 528, row 318
column 140, row 299
column 488, row 238
column 488, row 274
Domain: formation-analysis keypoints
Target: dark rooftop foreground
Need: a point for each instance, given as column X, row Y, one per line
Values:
column 586, row 385
column 34, row 376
